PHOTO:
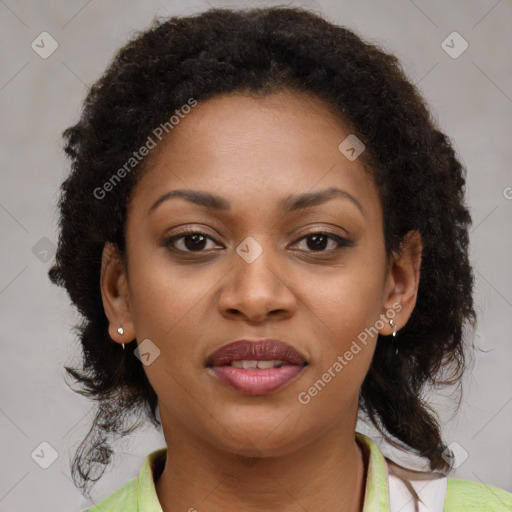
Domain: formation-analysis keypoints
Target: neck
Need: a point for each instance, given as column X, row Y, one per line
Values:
column 328, row 474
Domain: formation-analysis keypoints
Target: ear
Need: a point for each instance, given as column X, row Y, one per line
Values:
column 402, row 282
column 114, row 294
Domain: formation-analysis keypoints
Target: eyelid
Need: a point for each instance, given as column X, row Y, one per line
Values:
column 188, row 231
column 341, row 241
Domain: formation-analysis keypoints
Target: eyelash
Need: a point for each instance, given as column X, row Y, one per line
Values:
column 340, row 241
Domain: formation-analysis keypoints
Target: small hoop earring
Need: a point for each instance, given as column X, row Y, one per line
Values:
column 395, row 328
column 120, row 330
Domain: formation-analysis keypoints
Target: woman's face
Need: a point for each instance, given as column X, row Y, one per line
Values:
column 257, row 271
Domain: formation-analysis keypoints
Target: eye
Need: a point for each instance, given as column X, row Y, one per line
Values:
column 190, row 241
column 318, row 240
column 196, row 241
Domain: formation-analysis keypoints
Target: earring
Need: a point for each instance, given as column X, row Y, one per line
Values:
column 394, row 327
column 120, row 330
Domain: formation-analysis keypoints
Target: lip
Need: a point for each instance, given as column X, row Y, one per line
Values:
column 262, row 349
column 256, row 381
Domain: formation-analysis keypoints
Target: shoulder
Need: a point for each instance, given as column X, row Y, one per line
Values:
column 139, row 494
column 125, row 499
column 468, row 496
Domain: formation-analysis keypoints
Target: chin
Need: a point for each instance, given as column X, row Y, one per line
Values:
column 261, row 431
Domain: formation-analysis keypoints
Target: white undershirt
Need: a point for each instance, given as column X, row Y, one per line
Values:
column 431, row 492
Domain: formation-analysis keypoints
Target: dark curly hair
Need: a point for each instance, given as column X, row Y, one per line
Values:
column 420, row 181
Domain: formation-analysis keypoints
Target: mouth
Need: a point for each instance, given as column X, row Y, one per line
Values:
column 256, row 367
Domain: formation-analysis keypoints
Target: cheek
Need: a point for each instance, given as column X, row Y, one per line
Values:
column 164, row 298
column 345, row 304
column 345, row 313
column 168, row 307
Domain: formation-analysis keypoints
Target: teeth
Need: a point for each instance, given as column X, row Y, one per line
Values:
column 251, row 365
column 265, row 365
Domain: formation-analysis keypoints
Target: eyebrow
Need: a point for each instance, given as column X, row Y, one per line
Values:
column 289, row 204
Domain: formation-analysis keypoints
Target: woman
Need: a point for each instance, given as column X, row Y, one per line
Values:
column 266, row 235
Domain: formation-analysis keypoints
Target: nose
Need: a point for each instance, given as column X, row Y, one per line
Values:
column 256, row 291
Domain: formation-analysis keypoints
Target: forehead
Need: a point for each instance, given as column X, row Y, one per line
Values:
column 255, row 150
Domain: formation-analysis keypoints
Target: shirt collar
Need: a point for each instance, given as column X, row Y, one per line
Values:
column 376, row 489
column 147, row 498
column 376, row 495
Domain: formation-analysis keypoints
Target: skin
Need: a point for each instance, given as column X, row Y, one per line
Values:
column 227, row 451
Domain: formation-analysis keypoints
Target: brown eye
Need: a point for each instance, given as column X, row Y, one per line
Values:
column 189, row 241
column 319, row 240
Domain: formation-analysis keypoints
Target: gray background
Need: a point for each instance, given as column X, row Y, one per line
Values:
column 470, row 96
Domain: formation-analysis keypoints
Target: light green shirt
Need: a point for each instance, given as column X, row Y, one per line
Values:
column 139, row 495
